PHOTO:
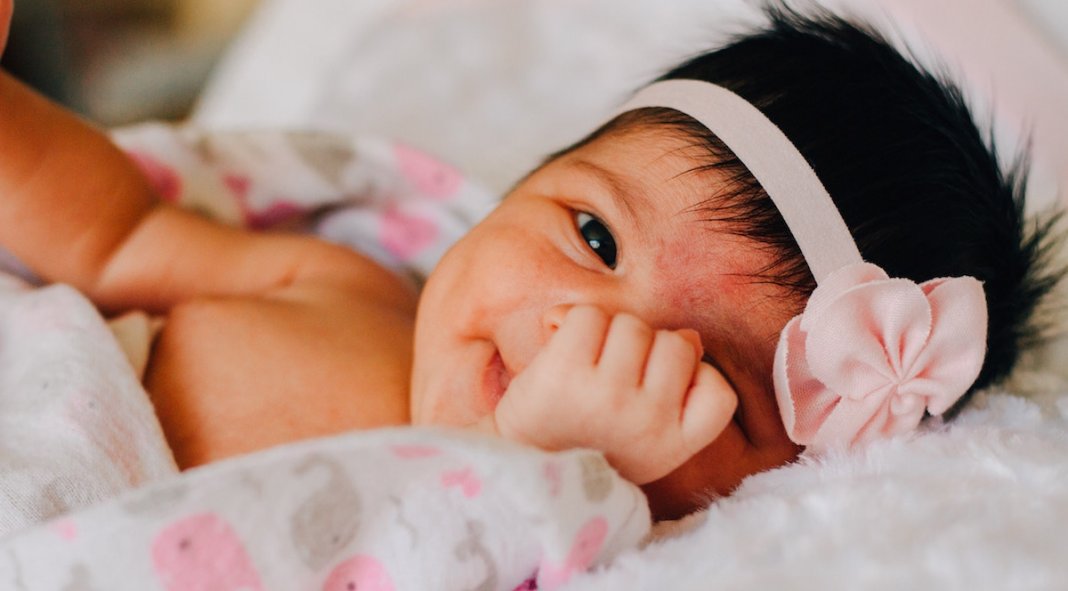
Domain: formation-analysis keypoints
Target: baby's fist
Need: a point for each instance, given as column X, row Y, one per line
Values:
column 613, row 383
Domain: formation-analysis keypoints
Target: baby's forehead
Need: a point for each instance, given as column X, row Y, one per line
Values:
column 644, row 141
column 650, row 163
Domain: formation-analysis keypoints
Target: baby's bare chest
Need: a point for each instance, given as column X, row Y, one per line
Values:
column 229, row 376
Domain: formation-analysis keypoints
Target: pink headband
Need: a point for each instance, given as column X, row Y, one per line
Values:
column 869, row 355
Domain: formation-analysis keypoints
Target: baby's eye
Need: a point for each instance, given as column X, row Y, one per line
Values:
column 597, row 236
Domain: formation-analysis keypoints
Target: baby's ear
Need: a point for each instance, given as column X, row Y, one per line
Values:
column 7, row 8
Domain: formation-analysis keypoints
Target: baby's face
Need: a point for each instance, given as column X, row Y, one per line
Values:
column 618, row 224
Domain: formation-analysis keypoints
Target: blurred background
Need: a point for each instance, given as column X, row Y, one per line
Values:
column 455, row 76
column 119, row 61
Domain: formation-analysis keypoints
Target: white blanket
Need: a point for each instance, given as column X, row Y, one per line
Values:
column 380, row 510
column 76, row 427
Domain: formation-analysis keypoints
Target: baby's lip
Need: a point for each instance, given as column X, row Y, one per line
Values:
column 495, row 380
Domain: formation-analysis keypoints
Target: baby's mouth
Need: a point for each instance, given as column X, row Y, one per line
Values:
column 495, row 380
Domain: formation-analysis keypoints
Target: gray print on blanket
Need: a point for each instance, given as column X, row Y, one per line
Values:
column 483, row 513
column 473, row 547
column 328, row 519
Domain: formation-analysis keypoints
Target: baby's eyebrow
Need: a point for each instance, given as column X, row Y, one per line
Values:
column 623, row 189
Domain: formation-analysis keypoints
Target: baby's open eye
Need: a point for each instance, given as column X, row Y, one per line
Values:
column 598, row 237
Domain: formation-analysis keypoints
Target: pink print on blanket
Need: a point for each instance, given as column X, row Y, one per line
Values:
column 463, row 479
column 390, row 510
column 584, row 551
column 278, row 211
column 405, row 234
column 427, row 174
column 203, row 553
column 394, row 203
column 362, row 573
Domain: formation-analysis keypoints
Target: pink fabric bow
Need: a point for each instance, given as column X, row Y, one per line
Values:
column 870, row 354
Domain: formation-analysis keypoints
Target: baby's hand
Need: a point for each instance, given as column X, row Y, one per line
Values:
column 641, row 396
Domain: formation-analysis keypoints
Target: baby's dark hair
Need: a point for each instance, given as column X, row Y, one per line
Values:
column 919, row 186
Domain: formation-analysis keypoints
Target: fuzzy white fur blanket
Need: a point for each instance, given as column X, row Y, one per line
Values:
column 979, row 504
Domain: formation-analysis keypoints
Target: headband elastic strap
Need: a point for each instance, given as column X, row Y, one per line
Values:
column 764, row 149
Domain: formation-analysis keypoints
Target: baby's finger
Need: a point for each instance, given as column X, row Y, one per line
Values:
column 581, row 335
column 709, row 407
column 626, row 348
column 670, row 367
column 694, row 338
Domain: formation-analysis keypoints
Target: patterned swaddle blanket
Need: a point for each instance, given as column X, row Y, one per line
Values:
column 384, row 510
column 383, row 198
column 401, row 508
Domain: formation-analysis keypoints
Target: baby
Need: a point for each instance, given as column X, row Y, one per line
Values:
column 636, row 294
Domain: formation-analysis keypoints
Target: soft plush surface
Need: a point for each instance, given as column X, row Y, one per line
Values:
column 982, row 504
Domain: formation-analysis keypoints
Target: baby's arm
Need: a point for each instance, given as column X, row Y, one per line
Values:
column 76, row 210
column 6, row 8
column 641, row 396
